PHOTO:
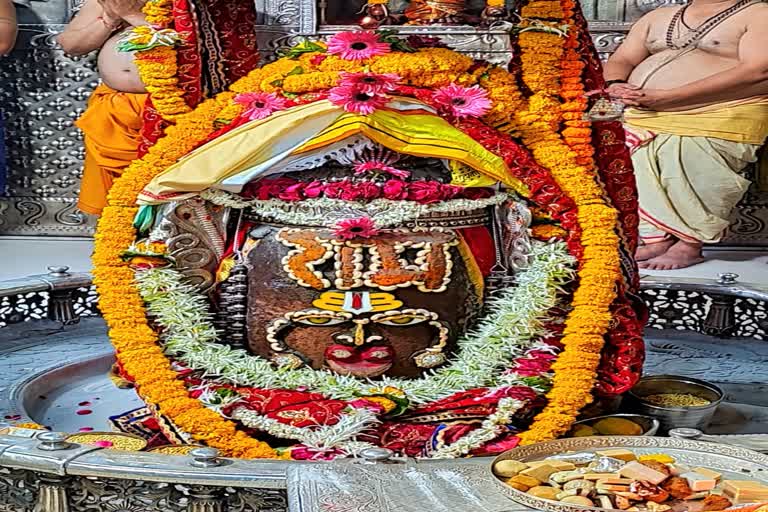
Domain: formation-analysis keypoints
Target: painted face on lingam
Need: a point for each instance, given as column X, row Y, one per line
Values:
column 388, row 304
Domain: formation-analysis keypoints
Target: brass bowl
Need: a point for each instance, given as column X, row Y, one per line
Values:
column 120, row 441
column 697, row 417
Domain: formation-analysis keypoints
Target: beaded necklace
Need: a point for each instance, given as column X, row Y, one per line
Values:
column 704, row 28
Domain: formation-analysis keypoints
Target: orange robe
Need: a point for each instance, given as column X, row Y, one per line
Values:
column 112, row 128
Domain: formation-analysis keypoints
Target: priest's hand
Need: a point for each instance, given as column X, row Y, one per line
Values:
column 123, row 10
column 624, row 92
column 656, row 99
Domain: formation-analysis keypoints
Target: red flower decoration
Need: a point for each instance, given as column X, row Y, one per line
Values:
column 463, row 101
column 360, row 227
column 357, row 45
column 370, row 83
column 352, row 99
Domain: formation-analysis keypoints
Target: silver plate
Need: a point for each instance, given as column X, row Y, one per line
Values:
column 733, row 462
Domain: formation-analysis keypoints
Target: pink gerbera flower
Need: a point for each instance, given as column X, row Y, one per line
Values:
column 360, row 227
column 260, row 105
column 463, row 101
column 354, row 100
column 370, row 83
column 378, row 166
column 357, row 45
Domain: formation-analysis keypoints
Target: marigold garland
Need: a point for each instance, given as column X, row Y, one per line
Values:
column 578, row 131
column 576, row 367
column 158, row 67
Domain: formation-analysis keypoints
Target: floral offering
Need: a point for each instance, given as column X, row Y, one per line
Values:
column 370, row 242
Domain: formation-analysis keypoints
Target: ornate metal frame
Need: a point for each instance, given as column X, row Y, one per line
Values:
column 44, row 91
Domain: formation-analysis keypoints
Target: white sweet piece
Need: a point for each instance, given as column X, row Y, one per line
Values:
column 698, row 482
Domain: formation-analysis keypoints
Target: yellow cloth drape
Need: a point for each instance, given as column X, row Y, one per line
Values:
column 112, row 134
column 688, row 167
column 251, row 148
column 244, row 147
column 417, row 134
column 736, row 121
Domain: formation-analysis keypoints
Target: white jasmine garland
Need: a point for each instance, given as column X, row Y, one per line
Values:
column 327, row 212
column 491, row 428
column 514, row 323
column 341, row 436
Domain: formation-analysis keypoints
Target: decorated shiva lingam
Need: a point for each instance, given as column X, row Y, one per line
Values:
column 352, row 250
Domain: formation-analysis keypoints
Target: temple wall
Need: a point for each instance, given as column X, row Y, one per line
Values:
column 43, row 91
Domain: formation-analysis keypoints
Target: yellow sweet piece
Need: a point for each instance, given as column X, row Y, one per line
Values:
column 617, row 427
column 656, row 457
column 518, row 486
column 509, row 468
column 540, row 473
column 524, row 480
column 583, row 431
column 544, row 492
column 557, row 464
column 618, row 453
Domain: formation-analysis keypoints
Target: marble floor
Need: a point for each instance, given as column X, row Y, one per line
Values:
column 24, row 256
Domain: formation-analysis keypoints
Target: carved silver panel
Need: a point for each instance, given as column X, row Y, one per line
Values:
column 43, row 92
column 18, row 490
column 24, row 491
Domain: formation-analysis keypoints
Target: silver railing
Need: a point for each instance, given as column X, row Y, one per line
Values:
column 45, row 473
column 59, row 295
column 722, row 307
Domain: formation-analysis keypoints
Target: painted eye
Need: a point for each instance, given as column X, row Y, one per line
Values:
column 320, row 320
column 402, row 320
column 341, row 353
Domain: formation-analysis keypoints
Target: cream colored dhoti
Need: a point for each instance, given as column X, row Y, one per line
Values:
column 688, row 164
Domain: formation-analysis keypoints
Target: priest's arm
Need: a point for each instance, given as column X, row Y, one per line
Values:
column 8, row 27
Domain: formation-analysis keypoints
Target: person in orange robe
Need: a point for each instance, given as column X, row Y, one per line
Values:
column 113, row 120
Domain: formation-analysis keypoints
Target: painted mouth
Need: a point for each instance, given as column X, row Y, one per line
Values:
column 369, row 362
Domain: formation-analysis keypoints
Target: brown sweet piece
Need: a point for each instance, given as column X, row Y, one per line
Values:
column 525, row 480
column 544, row 492
column 713, row 503
column 677, row 487
column 649, row 492
column 622, row 503
column 657, row 466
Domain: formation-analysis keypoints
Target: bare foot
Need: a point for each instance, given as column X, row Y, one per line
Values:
column 648, row 251
column 680, row 255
